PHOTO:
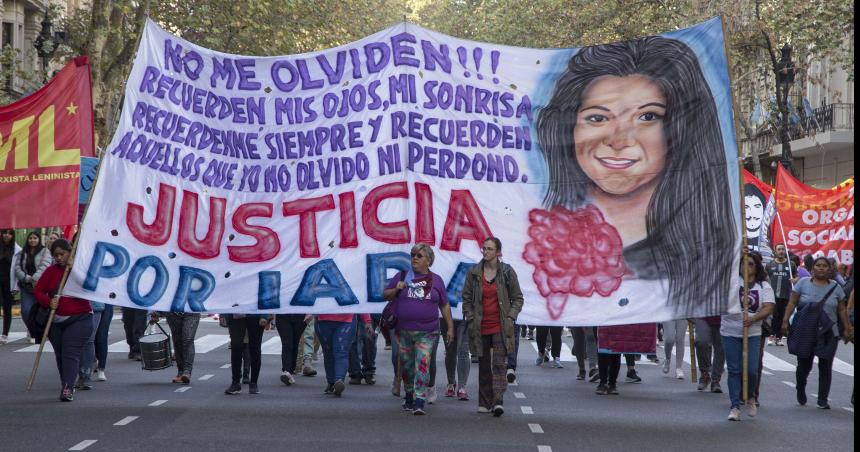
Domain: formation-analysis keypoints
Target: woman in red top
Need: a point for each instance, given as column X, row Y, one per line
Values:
column 492, row 300
column 73, row 320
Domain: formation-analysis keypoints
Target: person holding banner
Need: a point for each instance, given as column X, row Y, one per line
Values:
column 336, row 333
column 183, row 328
column 807, row 294
column 8, row 250
column 33, row 260
column 760, row 306
column 492, row 301
column 238, row 325
column 632, row 129
column 420, row 295
column 73, row 320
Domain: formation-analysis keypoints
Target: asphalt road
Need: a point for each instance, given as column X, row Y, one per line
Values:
column 548, row 410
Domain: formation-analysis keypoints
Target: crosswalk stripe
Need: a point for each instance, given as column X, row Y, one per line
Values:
column 272, row 346
column 842, row 367
column 774, row 363
column 210, row 342
column 15, row 336
column 566, row 354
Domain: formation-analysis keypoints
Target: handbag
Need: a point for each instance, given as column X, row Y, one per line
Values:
column 37, row 320
column 806, row 327
column 389, row 313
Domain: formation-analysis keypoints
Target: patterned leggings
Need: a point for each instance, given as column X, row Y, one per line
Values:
column 183, row 328
column 492, row 366
column 415, row 353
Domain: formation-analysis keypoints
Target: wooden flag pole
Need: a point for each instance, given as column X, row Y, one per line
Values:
column 62, row 284
column 693, row 375
column 744, row 295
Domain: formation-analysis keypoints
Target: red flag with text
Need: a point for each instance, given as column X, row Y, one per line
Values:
column 816, row 221
column 42, row 138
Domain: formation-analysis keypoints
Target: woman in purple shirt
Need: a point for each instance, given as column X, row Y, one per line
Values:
column 420, row 295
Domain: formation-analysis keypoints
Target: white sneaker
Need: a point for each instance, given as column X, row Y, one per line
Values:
column 511, row 375
column 431, row 394
column 556, row 362
column 679, row 374
column 752, row 410
column 770, row 340
column 31, row 340
column 4, row 339
column 734, row 414
column 99, row 375
column 483, row 410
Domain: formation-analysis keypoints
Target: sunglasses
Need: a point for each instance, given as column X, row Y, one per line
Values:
column 487, row 249
column 418, row 255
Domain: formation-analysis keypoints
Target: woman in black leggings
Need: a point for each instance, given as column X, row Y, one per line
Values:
column 555, row 335
column 253, row 325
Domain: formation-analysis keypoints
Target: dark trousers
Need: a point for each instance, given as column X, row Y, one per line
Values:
column 183, row 328
column 492, row 366
column 68, row 339
column 362, row 353
column 290, row 329
column 555, row 334
column 608, row 366
column 134, row 324
column 585, row 346
column 778, row 314
column 6, row 299
column 101, row 340
column 238, row 328
column 825, row 375
column 335, row 340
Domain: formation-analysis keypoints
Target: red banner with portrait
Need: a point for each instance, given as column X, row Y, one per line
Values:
column 42, row 139
column 815, row 221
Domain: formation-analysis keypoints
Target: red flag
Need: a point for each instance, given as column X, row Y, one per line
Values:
column 816, row 221
column 42, row 138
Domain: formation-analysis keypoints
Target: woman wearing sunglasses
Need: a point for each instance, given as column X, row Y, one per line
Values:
column 420, row 295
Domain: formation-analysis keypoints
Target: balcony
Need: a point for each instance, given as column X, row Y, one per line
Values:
column 828, row 128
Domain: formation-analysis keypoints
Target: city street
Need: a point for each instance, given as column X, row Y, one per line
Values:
column 548, row 410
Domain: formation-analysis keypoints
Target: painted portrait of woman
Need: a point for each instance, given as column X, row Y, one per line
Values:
column 635, row 157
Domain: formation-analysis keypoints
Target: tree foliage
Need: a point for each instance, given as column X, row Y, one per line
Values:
column 108, row 30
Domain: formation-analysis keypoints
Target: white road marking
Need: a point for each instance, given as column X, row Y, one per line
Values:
column 544, row 449
column 210, row 342
column 158, row 402
column 527, row 410
column 515, row 383
column 519, row 395
column 790, row 384
column 183, row 389
column 566, row 353
column 118, row 347
column 126, row 420
column 813, row 395
column 846, row 408
column 535, row 428
column 15, row 336
column 206, row 377
column 272, row 346
column 35, row 348
column 842, row 367
column 766, row 372
column 226, row 366
column 774, row 363
column 84, row 444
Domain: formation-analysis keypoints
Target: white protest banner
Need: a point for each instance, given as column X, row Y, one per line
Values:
column 299, row 183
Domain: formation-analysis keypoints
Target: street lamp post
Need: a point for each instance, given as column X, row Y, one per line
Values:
column 785, row 71
column 46, row 45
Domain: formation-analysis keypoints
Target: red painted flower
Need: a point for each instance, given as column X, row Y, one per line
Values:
column 574, row 253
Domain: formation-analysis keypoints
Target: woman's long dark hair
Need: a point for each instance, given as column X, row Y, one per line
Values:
column 7, row 250
column 760, row 274
column 690, row 221
column 29, row 253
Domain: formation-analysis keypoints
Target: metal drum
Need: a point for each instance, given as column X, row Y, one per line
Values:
column 155, row 351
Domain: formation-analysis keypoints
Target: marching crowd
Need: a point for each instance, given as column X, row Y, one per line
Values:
column 418, row 315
